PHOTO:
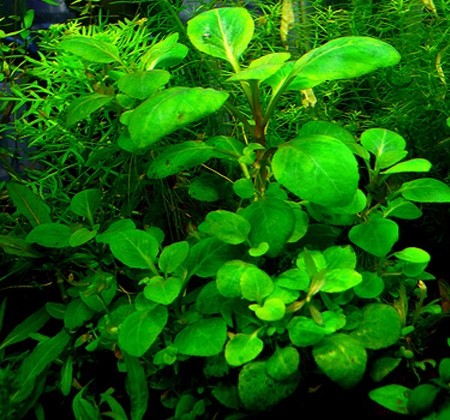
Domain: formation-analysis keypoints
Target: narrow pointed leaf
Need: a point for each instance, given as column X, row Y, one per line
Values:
column 136, row 386
column 412, row 165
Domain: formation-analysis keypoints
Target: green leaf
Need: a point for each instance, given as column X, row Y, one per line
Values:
column 426, row 190
column 262, row 68
column 343, row 58
column 136, row 386
column 168, row 111
column 412, row 165
column 66, row 376
column 243, row 348
column 135, row 248
column 393, row 397
column 305, row 331
column 28, row 204
column 165, row 53
column 402, row 209
column 86, row 203
column 371, row 286
column 205, row 337
column 81, row 236
column 50, row 235
column 2, row 316
column 18, row 246
column 108, row 235
column 421, row 399
column 380, row 326
column 116, row 409
column 81, row 108
column 342, row 358
column 255, row 283
column 140, row 330
column 340, row 257
column 179, row 157
column 222, row 33
column 301, row 223
column 204, row 188
column 209, row 300
column 283, row 363
column 294, row 279
column 36, row 362
column 387, row 146
column 244, row 188
column 383, row 366
column 317, row 168
column 142, row 84
column 172, row 256
column 85, row 408
column 161, row 290
column 208, row 255
column 272, row 221
column 226, row 226
column 340, row 279
column 28, row 326
column 377, row 236
column 259, row 391
column 413, row 255
column 228, row 278
column 273, row 309
column 90, row 49
column 76, row 314
column 444, row 369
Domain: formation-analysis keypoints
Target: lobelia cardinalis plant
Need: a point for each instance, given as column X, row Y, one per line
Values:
column 297, row 271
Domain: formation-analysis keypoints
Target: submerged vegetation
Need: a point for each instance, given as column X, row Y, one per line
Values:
column 216, row 211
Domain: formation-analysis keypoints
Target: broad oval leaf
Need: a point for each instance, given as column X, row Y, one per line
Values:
column 243, row 348
column 205, row 337
column 226, row 226
column 86, row 203
column 172, row 256
column 255, row 283
column 222, row 33
column 262, row 68
column 141, row 84
column 317, row 168
column 344, row 58
column 426, row 190
column 371, row 286
column 413, row 255
column 50, row 235
column 161, row 290
column 80, row 108
column 135, row 248
column 380, row 326
column 412, row 165
column 168, row 111
column 90, row 49
column 273, row 309
column 377, row 236
column 342, row 358
column 340, row 279
column 165, row 53
column 229, row 278
column 140, row 329
column 394, row 397
column 283, row 363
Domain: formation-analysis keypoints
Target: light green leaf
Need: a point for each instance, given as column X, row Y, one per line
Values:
column 141, row 85
column 90, row 49
column 273, row 309
column 371, row 286
column 343, row 58
column 412, row 165
column 383, row 366
column 317, row 168
column 294, row 279
column 255, row 283
column 86, row 203
column 402, row 209
column 283, row 363
column 340, row 279
column 140, row 330
column 262, row 68
column 161, row 290
column 36, row 362
column 168, row 111
column 226, row 226
column 340, row 257
column 28, row 204
column 342, row 358
column 426, row 190
column 165, row 53
column 81, row 236
column 243, row 348
column 172, row 256
column 222, row 33
column 28, row 326
column 81, row 108
column 377, row 236
column 50, row 235
column 259, row 391
column 304, row 331
column 380, row 327
column 179, row 157
column 413, row 255
column 120, row 226
column 393, row 397
column 272, row 221
column 205, row 337
column 228, row 278
column 209, row 300
column 135, row 248
column 136, row 386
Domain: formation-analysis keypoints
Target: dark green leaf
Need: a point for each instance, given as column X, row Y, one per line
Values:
column 136, row 386
column 283, row 363
column 50, row 235
column 86, row 203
